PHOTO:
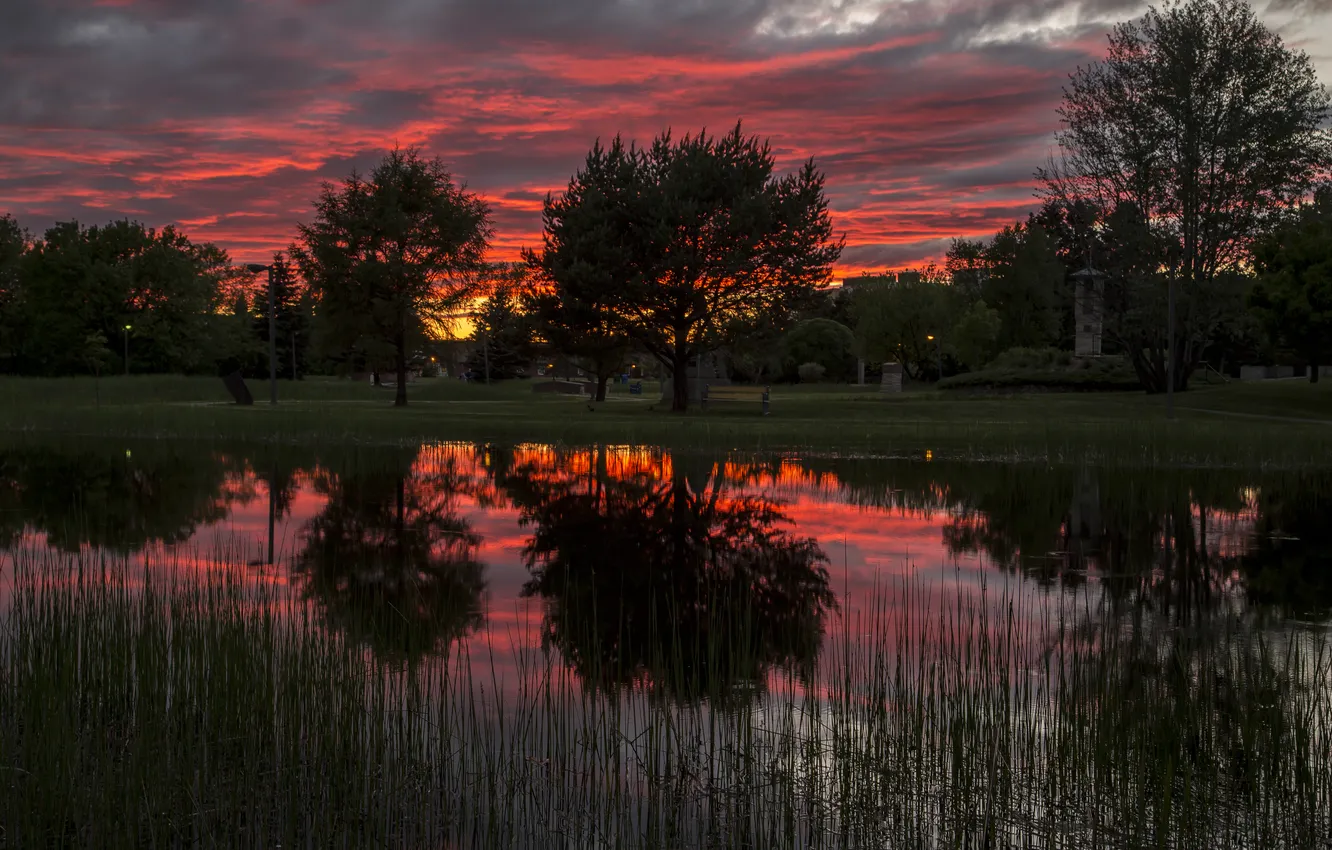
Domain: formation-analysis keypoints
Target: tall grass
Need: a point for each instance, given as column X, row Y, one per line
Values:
column 183, row 712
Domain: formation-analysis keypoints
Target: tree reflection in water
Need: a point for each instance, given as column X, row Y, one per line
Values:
column 391, row 563
column 666, row 578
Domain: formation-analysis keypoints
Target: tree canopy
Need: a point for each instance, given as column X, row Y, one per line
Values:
column 392, row 253
column 702, row 241
column 1294, row 290
column 1199, row 125
column 77, row 282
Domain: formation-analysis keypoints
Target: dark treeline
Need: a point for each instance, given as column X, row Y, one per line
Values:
column 1184, row 221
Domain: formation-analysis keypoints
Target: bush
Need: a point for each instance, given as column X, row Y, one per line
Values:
column 811, row 373
column 1048, row 369
column 1032, row 358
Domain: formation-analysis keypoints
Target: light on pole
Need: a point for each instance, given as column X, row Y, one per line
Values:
column 127, row 330
column 272, row 332
column 938, row 350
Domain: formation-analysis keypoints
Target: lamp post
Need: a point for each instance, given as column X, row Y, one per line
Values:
column 127, row 330
column 272, row 332
column 938, row 350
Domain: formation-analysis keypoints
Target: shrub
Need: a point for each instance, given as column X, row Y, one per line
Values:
column 811, row 373
column 1048, row 369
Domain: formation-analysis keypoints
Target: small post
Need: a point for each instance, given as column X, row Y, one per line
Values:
column 127, row 330
column 766, row 394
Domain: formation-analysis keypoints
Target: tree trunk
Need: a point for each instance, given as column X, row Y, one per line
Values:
column 601, row 386
column 680, row 379
column 400, row 396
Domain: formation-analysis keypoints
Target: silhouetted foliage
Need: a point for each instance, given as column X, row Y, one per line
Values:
column 392, row 564
column 709, row 242
column 1195, row 129
column 391, row 253
column 1294, row 291
column 675, row 583
column 76, row 282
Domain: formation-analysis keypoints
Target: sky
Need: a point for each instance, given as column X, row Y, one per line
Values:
column 223, row 117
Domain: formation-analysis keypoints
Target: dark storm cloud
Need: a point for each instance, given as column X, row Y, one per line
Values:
column 225, row 115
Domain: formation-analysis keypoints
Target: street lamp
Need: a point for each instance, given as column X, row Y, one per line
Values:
column 272, row 332
column 127, row 330
column 938, row 350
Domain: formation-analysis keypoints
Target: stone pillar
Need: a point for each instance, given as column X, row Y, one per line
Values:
column 892, row 378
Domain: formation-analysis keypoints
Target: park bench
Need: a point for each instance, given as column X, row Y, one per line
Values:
column 732, row 393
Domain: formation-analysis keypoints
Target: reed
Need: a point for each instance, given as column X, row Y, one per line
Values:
column 159, row 707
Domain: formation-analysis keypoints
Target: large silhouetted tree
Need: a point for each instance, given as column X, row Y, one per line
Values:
column 703, row 241
column 1205, row 123
column 390, row 253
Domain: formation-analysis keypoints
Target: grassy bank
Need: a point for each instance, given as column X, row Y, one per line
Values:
column 202, row 714
column 1282, row 423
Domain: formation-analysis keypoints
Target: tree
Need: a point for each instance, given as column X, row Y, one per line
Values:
column 895, row 320
column 967, row 267
column 1294, row 290
column 78, row 281
column 291, row 320
column 581, row 263
column 501, row 338
column 13, row 244
column 711, row 241
column 1203, row 122
column 391, row 254
column 822, row 341
column 975, row 334
column 1023, row 285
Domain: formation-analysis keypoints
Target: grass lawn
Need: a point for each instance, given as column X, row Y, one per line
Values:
column 1286, row 423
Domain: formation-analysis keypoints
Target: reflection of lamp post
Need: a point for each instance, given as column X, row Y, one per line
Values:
column 272, row 332
column 938, row 350
column 1170, row 348
column 127, row 330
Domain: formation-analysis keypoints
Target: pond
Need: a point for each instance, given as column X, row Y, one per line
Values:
column 532, row 645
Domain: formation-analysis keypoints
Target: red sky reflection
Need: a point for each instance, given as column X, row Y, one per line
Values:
column 224, row 116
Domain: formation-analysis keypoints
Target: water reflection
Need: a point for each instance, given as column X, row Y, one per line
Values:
column 673, row 580
column 388, row 544
column 112, row 499
column 390, row 562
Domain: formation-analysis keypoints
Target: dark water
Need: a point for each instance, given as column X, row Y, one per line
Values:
column 778, row 644
column 411, row 550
